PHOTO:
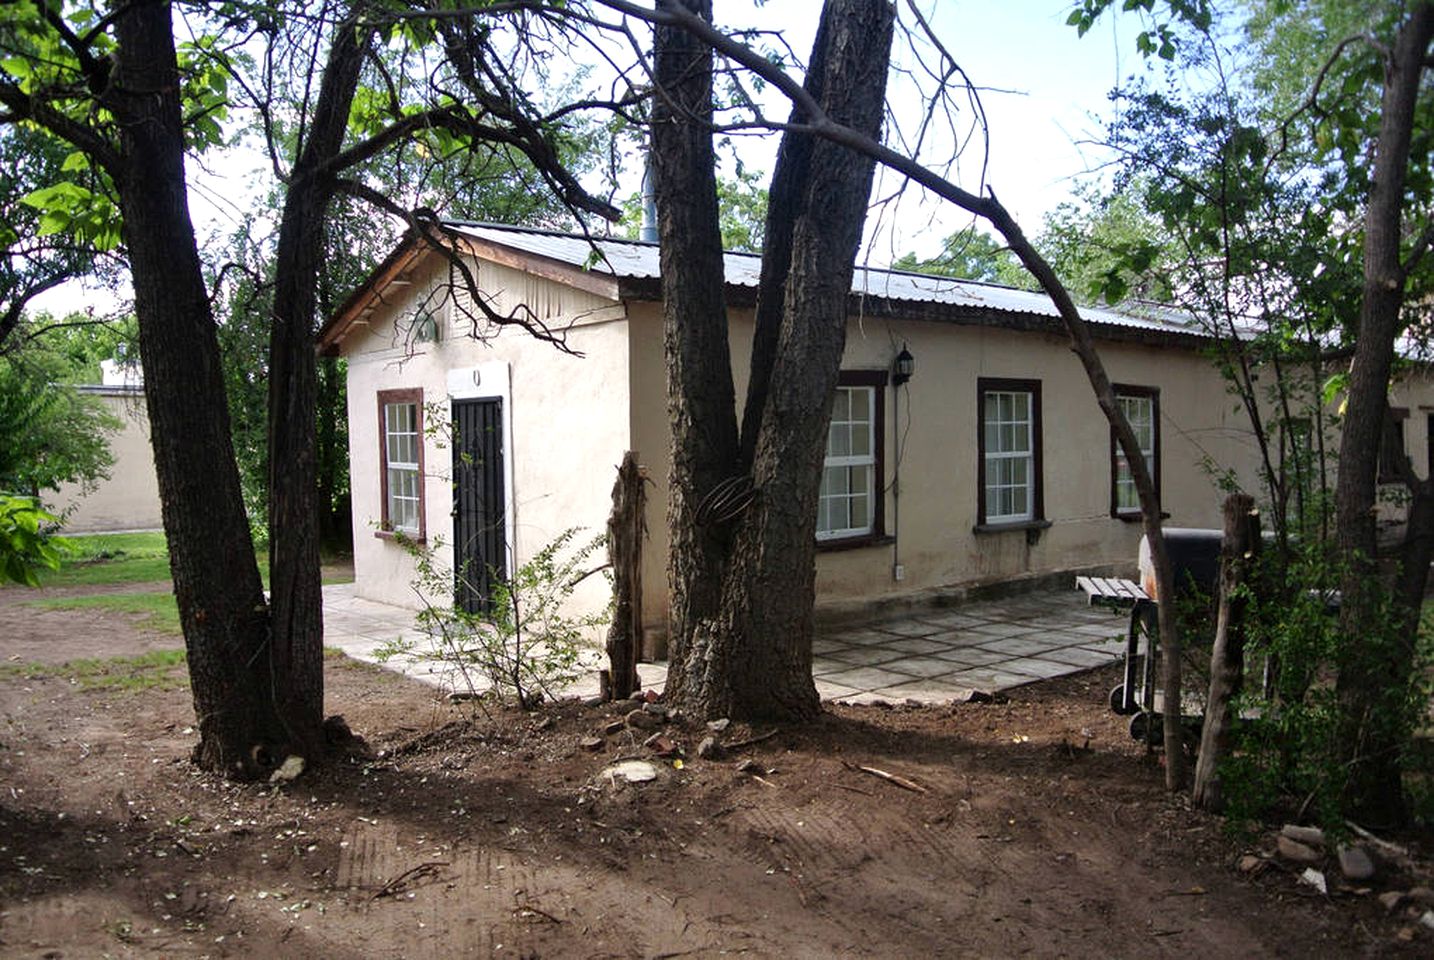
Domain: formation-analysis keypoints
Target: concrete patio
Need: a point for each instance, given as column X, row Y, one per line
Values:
column 932, row 656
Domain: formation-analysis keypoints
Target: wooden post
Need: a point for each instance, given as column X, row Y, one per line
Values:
column 1238, row 552
column 626, row 528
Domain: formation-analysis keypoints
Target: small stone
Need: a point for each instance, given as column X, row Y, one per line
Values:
column 1406, row 934
column 717, row 726
column 1427, row 920
column 633, row 771
column 1309, row 836
column 616, row 726
column 660, row 744
column 656, row 709
column 288, row 770
column 1355, row 864
column 709, row 748
column 1390, row 900
column 1252, row 864
column 1315, row 879
column 640, row 720
column 750, row 766
column 623, row 706
column 1297, row 852
column 648, row 696
column 591, row 743
column 1423, row 895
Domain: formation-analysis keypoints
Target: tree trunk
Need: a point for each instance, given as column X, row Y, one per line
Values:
column 625, row 532
column 700, row 396
column 216, row 580
column 1238, row 553
column 1375, row 666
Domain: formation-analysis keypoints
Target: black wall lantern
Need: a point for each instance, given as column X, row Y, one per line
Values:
column 903, row 367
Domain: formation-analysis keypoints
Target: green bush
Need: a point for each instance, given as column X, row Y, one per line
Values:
column 26, row 544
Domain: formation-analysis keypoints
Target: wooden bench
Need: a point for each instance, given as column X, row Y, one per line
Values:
column 1111, row 591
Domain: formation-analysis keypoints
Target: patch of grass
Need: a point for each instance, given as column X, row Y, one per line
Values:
column 158, row 609
column 108, row 558
column 148, row 671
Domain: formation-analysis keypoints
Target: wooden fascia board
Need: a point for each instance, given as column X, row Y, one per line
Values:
column 369, row 295
column 588, row 281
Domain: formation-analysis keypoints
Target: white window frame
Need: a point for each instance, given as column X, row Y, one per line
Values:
column 989, row 389
column 391, row 435
column 867, row 463
column 1122, row 482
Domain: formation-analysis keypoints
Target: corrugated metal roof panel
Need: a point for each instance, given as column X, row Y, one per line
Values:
column 636, row 260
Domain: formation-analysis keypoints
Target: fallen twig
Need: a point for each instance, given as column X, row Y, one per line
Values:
column 536, row 911
column 412, row 873
column 1384, row 845
column 750, row 741
column 900, row 781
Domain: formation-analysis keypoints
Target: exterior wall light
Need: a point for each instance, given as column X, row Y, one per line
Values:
column 903, row 367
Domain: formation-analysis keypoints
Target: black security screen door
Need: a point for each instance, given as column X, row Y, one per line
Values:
column 479, row 538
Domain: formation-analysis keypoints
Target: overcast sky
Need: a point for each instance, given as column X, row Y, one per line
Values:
column 1044, row 90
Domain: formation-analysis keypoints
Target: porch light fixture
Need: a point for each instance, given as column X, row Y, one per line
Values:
column 903, row 367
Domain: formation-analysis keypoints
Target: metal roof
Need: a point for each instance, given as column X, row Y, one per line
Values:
column 637, row 260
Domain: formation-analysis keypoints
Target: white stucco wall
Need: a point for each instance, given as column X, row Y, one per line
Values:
column 129, row 499
column 566, row 419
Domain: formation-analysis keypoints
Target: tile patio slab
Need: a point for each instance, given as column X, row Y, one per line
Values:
column 929, row 655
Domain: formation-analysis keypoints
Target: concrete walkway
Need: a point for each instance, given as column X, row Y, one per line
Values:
column 931, row 656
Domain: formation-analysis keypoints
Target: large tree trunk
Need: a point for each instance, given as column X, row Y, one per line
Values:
column 700, row 396
column 216, row 580
column 1374, row 665
column 743, row 565
column 296, row 596
column 1238, row 550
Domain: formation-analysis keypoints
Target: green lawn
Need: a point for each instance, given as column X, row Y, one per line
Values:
column 158, row 608
column 109, row 558
column 148, row 671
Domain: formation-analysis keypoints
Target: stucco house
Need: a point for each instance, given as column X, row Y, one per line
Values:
column 991, row 463
column 129, row 498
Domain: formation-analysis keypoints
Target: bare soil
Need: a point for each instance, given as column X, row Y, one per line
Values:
column 1032, row 827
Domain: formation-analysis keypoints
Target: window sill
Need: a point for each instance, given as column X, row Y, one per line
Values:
column 1026, row 525
column 397, row 535
column 854, row 543
column 1135, row 516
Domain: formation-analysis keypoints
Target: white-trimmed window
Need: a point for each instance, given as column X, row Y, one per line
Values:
column 401, row 461
column 849, row 504
column 1141, row 406
column 1010, row 451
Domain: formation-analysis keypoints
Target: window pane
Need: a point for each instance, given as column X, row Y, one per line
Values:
column 861, row 440
column 838, row 440
column 859, row 516
column 861, row 403
column 841, row 404
column 860, row 479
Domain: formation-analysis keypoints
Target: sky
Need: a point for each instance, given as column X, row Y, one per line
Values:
column 1044, row 91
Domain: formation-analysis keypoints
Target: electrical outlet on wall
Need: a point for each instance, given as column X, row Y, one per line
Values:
column 898, row 572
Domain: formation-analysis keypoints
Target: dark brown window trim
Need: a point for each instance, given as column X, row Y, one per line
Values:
column 877, row 379
column 1132, row 390
column 854, row 543
column 413, row 395
column 1038, row 493
column 396, row 535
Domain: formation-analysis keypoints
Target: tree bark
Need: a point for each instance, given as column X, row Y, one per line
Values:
column 296, row 594
column 1238, row 553
column 1374, row 666
column 216, row 580
column 700, row 395
column 625, row 533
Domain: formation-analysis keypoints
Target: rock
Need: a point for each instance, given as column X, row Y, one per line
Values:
column 1309, row 836
column 623, row 706
column 1297, row 852
column 1390, row 900
column 1427, row 920
column 1315, row 879
column 288, row 770
column 1252, row 864
column 717, row 726
column 633, row 771
column 648, row 696
column 616, row 726
column 750, row 766
column 709, row 748
column 656, row 709
column 1355, row 863
column 1422, row 895
column 660, row 744
column 1406, row 934
column 591, row 743
column 641, row 720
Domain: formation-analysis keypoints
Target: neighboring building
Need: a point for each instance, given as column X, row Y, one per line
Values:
column 129, row 499
column 1004, row 466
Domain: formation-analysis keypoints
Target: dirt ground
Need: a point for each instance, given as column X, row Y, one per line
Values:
column 1036, row 828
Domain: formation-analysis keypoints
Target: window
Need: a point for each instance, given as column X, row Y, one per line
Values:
column 1392, row 456
column 1141, row 406
column 849, row 504
column 400, row 420
column 1010, row 451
